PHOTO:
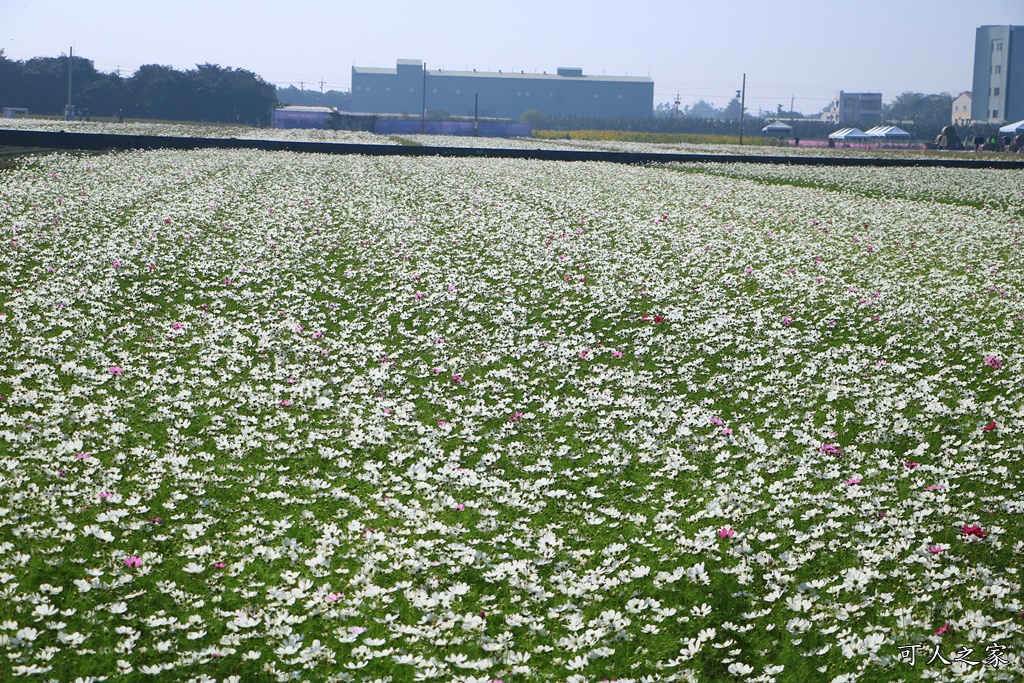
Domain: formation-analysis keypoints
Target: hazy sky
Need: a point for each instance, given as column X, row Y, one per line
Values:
column 802, row 49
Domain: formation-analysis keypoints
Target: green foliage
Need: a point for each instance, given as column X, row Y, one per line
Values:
column 921, row 115
column 207, row 93
column 534, row 117
column 339, row 99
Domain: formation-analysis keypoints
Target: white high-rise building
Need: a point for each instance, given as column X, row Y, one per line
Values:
column 998, row 93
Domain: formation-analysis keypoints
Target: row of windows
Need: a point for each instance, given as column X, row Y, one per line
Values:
column 997, row 46
column 993, row 92
column 519, row 93
column 997, row 68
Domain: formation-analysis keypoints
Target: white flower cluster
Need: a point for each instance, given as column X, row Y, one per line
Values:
column 268, row 416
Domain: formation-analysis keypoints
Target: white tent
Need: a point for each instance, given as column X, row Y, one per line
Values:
column 849, row 134
column 1013, row 128
column 778, row 128
column 888, row 132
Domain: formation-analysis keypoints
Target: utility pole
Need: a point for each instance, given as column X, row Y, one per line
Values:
column 423, row 117
column 68, row 111
column 321, row 85
column 743, row 100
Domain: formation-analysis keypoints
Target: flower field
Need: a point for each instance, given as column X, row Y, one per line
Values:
column 279, row 417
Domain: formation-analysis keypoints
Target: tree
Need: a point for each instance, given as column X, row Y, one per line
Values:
column 44, row 82
column 160, row 92
column 107, row 95
column 339, row 99
column 927, row 114
column 534, row 117
column 731, row 111
column 702, row 109
column 10, row 82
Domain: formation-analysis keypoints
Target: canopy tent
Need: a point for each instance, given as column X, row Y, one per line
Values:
column 888, row 132
column 778, row 128
column 849, row 134
column 1013, row 128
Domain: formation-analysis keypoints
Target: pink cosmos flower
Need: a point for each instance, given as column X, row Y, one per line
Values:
column 942, row 629
column 418, row 295
column 990, row 426
column 517, row 416
column 105, row 495
column 583, row 354
column 219, row 565
column 936, row 549
column 935, row 487
column 787, row 321
column 726, row 432
column 82, row 456
column 717, row 421
column 459, row 507
column 853, row 480
column 457, row 379
column 993, row 362
column 910, row 464
column 117, row 263
column 177, row 326
column 830, row 449
column 616, row 354
column 133, row 561
column 437, row 371
column 726, row 532
column 974, row 530
column 115, row 370
column 285, row 403
column 289, row 380
column 334, row 597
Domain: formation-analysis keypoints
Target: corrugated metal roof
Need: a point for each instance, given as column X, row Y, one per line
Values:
column 509, row 75
column 316, row 109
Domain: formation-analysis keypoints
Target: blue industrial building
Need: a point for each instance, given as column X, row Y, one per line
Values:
column 498, row 95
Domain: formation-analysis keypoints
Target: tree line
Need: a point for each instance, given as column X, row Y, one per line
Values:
column 923, row 116
column 209, row 92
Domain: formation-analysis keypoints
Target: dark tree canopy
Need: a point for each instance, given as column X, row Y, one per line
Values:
column 927, row 113
column 208, row 92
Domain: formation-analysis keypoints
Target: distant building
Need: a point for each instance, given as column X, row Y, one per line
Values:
column 962, row 109
column 855, row 108
column 301, row 117
column 498, row 95
column 998, row 74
